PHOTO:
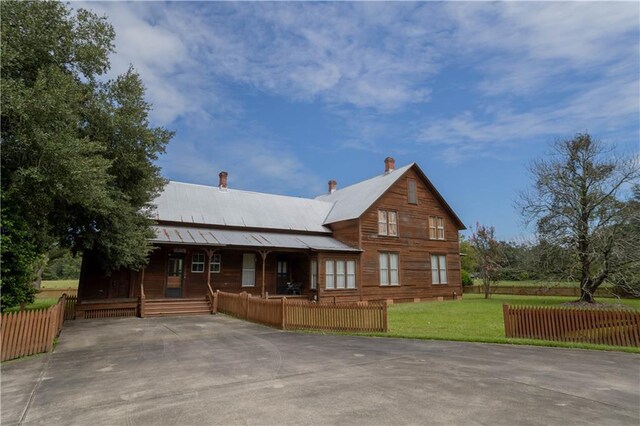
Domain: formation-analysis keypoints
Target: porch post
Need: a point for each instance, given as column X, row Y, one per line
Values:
column 263, row 254
column 209, row 256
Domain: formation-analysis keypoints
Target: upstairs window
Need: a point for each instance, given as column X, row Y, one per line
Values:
column 436, row 228
column 388, row 223
column 216, row 264
column 412, row 191
column 197, row 262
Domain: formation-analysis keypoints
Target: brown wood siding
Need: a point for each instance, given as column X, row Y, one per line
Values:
column 412, row 245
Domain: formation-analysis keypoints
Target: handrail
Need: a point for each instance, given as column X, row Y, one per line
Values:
column 142, row 296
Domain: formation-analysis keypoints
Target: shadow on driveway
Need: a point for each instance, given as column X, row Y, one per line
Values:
column 219, row 370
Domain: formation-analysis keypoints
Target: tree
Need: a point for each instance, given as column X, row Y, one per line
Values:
column 78, row 153
column 468, row 263
column 489, row 255
column 577, row 204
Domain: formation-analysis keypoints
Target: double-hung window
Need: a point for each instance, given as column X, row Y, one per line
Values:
column 197, row 262
column 389, row 269
column 436, row 227
column 340, row 274
column 438, row 269
column 216, row 264
column 248, row 270
column 314, row 274
column 388, row 223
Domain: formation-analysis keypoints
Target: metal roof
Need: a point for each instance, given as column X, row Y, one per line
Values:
column 350, row 202
column 232, row 238
column 209, row 205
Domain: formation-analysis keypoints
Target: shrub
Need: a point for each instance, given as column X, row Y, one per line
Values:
column 466, row 278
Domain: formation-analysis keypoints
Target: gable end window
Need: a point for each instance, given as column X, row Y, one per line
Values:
column 436, row 227
column 388, row 223
column 197, row 262
column 389, row 269
column 412, row 191
column 438, row 269
column 216, row 264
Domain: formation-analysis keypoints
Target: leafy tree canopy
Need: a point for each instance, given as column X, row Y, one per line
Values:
column 78, row 152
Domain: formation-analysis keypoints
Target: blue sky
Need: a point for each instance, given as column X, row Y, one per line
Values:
column 285, row 96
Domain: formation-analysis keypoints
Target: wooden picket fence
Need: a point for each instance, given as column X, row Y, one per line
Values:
column 31, row 332
column 607, row 326
column 301, row 314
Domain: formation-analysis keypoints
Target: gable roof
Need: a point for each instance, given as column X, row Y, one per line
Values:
column 352, row 201
column 209, row 205
column 199, row 204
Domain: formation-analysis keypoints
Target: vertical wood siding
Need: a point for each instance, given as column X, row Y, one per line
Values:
column 593, row 325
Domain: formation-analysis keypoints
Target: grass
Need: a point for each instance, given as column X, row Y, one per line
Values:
column 38, row 304
column 534, row 283
column 59, row 284
column 475, row 319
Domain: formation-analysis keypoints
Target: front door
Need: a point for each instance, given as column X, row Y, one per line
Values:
column 282, row 276
column 175, row 274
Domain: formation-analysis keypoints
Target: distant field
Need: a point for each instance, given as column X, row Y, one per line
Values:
column 60, row 284
column 535, row 283
column 38, row 304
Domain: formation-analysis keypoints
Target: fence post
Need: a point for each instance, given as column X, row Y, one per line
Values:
column 385, row 307
column 283, row 303
column 215, row 302
column 246, row 305
column 507, row 323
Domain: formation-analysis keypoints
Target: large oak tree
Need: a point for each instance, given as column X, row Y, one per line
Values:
column 579, row 203
column 78, row 151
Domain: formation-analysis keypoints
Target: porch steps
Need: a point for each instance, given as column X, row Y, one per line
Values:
column 175, row 307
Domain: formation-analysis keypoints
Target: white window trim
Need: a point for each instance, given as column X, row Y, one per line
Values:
column 388, row 255
column 388, row 222
column 314, row 274
column 247, row 270
column 345, row 275
column 436, row 223
column 197, row 262
column 440, row 260
column 215, row 262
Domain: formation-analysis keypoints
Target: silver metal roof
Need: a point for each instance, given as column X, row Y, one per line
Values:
column 232, row 238
column 189, row 203
column 351, row 201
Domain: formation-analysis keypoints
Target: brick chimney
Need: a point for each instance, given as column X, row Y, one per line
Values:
column 332, row 186
column 223, row 180
column 389, row 165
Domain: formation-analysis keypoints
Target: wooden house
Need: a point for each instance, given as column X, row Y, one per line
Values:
column 391, row 237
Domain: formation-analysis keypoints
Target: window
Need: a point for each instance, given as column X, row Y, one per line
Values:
column 248, row 270
column 389, row 269
column 388, row 223
column 340, row 274
column 329, row 276
column 436, row 228
column 438, row 269
column 351, row 274
column 216, row 264
column 314, row 274
column 412, row 191
column 197, row 262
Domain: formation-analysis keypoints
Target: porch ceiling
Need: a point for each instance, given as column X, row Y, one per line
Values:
column 232, row 238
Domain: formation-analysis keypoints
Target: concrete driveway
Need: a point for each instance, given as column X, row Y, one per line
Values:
column 219, row 370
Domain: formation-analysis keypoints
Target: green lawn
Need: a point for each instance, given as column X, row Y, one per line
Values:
column 38, row 304
column 475, row 319
column 60, row 284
